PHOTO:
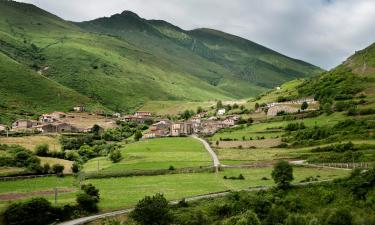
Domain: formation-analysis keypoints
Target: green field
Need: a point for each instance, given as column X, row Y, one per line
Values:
column 125, row 192
column 156, row 154
column 273, row 129
column 173, row 107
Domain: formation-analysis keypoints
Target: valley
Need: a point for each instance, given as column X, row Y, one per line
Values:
column 174, row 126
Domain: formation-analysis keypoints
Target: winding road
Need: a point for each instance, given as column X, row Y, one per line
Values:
column 207, row 146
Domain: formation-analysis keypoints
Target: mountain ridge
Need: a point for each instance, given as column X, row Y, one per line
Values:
column 120, row 71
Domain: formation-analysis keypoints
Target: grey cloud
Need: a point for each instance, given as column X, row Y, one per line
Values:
column 322, row 32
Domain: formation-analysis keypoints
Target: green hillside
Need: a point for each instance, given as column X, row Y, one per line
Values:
column 350, row 86
column 119, row 63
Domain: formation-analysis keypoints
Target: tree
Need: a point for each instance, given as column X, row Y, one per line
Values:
column 295, row 219
column 327, row 108
column 34, row 211
column 115, row 156
column 76, row 167
column 199, row 109
column 138, row 135
column 256, row 107
column 282, row 174
column 46, row 168
column 89, row 198
column 338, row 217
column 42, row 150
column 219, row 105
column 304, row 106
column 152, row 211
column 58, row 169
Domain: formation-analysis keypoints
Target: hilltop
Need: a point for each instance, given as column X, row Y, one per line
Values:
column 121, row 62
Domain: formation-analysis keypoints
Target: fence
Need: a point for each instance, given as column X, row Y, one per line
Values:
column 361, row 165
column 25, row 177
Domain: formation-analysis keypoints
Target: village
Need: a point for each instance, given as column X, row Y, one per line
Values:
column 202, row 123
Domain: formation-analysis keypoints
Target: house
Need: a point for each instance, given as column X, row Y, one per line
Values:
column 181, row 129
column 3, row 127
column 161, row 125
column 79, row 109
column 65, row 127
column 142, row 114
column 228, row 122
column 24, row 124
column 46, row 118
column 221, row 112
column 196, row 119
column 117, row 115
column 155, row 134
column 273, row 111
column 136, row 119
column 45, row 128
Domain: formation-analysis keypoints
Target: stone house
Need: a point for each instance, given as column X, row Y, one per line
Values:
column 161, row 125
column 142, row 114
column 45, row 128
column 228, row 122
column 79, row 108
column 2, row 127
column 273, row 111
column 24, row 124
column 221, row 112
column 181, row 129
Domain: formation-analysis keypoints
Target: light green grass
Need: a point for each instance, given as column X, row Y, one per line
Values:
column 268, row 129
column 173, row 107
column 156, row 154
column 125, row 192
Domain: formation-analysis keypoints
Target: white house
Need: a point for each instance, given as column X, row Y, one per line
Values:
column 220, row 112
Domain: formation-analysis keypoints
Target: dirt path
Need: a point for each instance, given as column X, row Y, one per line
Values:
column 15, row 195
column 213, row 155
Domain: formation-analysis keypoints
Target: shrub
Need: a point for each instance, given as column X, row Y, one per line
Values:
column 42, row 150
column 338, row 217
column 91, row 190
column 46, row 168
column 171, row 168
column 282, row 174
column 138, row 135
column 115, row 156
column 304, row 106
column 58, row 169
column 196, row 217
column 34, row 211
column 277, row 215
column 76, row 167
column 152, row 211
column 87, row 203
column 296, row 219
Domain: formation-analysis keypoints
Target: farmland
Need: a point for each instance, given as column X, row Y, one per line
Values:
column 125, row 192
column 29, row 142
column 156, row 154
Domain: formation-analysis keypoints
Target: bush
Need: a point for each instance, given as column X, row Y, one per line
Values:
column 87, row 203
column 35, row 211
column 152, row 211
column 296, row 219
column 282, row 174
column 115, row 156
column 76, row 167
column 58, row 169
column 277, row 215
column 138, row 135
column 196, row 217
column 339, row 217
column 46, row 168
column 42, row 150
column 91, row 190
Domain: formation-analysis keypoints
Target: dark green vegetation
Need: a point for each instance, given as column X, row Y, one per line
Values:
column 40, row 211
column 121, row 62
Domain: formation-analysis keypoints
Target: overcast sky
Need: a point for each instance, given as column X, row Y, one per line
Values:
column 322, row 32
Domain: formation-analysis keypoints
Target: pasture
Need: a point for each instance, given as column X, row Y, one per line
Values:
column 173, row 107
column 30, row 142
column 156, row 154
column 119, row 193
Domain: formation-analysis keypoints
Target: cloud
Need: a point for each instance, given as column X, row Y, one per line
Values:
column 322, row 32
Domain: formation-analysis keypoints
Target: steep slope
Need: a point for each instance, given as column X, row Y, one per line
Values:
column 354, row 79
column 234, row 57
column 117, row 63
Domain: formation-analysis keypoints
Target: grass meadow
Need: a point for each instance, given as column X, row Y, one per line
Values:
column 156, row 154
column 126, row 192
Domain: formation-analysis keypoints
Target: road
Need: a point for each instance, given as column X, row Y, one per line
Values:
column 213, row 155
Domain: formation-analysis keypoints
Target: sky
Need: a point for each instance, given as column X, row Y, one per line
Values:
column 321, row 32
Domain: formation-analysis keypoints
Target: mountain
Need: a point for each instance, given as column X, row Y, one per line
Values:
column 352, row 82
column 121, row 62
